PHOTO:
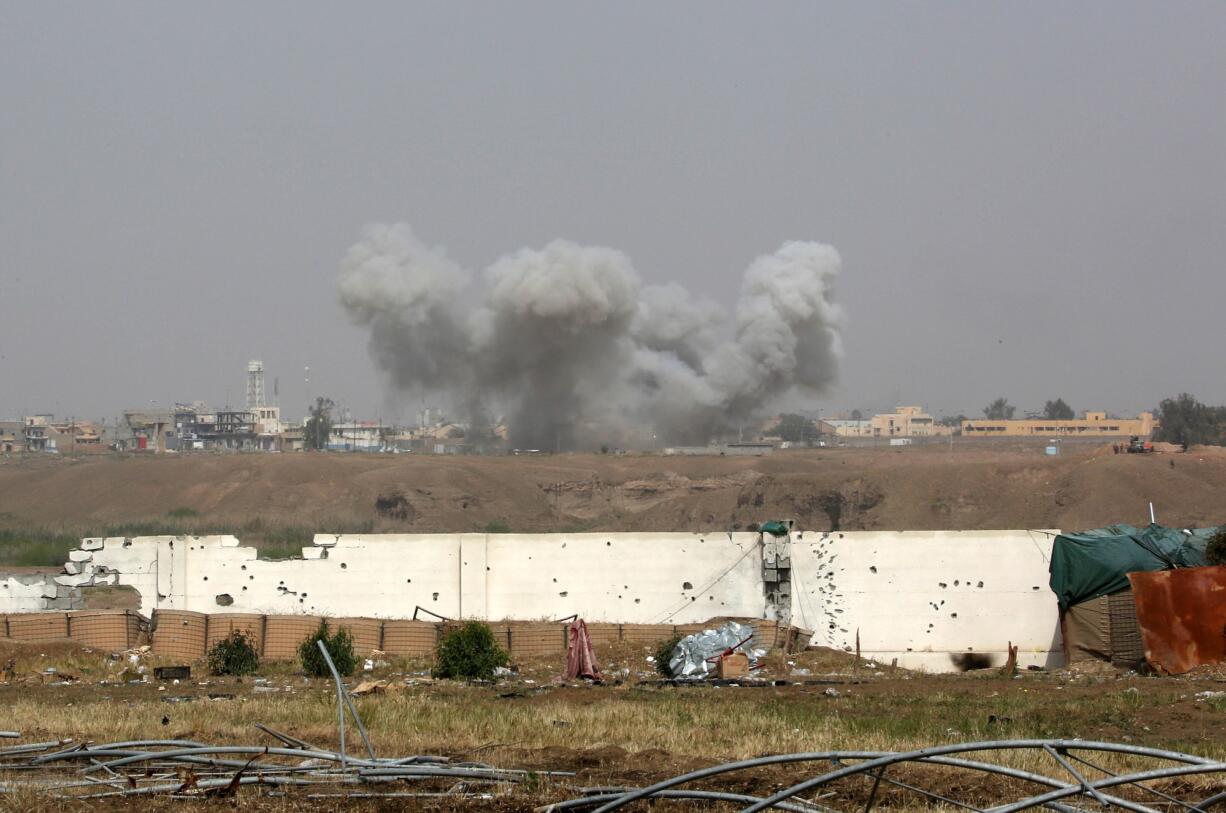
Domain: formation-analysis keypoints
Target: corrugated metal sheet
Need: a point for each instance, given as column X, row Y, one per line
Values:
column 1182, row 614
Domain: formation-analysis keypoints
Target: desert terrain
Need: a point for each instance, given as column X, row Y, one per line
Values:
column 969, row 485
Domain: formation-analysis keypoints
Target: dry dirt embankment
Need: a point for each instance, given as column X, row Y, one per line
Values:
column 916, row 488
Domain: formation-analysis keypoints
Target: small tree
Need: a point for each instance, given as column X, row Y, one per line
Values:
column 857, row 415
column 1057, row 410
column 1185, row 420
column 664, row 655
column 340, row 647
column 319, row 424
column 999, row 410
column 1215, row 551
column 234, row 655
column 796, row 428
column 469, row 651
column 951, row 420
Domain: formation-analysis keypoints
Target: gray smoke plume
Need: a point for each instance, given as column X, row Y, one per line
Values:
column 578, row 350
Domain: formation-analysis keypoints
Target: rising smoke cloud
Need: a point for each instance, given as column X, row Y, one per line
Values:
column 578, row 350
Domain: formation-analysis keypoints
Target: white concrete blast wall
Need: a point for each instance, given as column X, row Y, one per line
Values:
column 928, row 598
column 26, row 594
column 380, row 576
column 628, row 578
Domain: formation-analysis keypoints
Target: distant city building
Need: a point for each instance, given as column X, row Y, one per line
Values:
column 37, row 433
column 1094, row 424
column 361, row 436
column 12, row 437
column 904, row 422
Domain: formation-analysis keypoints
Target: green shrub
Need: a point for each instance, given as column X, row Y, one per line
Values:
column 664, row 654
column 234, row 655
column 182, row 512
column 340, row 647
column 497, row 527
column 1215, row 551
column 469, row 651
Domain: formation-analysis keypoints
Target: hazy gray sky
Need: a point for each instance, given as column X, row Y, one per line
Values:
column 1030, row 199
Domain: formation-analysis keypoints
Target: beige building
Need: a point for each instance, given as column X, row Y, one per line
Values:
column 904, row 422
column 1094, row 424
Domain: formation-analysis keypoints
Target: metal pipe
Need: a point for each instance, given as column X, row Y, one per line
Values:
column 1064, row 763
column 936, row 755
column 695, row 795
column 342, row 695
column 992, row 745
column 1112, row 781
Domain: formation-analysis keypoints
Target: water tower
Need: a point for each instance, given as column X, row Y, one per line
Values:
column 255, row 384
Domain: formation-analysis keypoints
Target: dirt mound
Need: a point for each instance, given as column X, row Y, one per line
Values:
column 967, row 486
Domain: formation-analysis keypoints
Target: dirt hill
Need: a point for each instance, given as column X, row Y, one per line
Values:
column 967, row 486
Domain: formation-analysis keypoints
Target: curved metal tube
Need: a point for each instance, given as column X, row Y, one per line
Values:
column 994, row 745
column 1112, row 781
column 695, row 795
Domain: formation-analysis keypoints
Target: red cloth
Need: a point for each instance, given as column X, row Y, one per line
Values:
column 580, row 659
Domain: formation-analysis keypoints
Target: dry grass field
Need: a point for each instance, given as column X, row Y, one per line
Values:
column 630, row 732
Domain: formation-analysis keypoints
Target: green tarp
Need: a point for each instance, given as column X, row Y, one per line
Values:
column 774, row 528
column 1095, row 563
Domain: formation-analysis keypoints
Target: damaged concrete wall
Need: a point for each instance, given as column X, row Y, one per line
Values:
column 38, row 592
column 628, row 578
column 643, row 578
column 938, row 600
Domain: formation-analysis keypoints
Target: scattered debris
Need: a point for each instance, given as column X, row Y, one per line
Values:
column 697, row 655
column 172, row 672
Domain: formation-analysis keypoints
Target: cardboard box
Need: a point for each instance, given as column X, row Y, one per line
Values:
column 733, row 666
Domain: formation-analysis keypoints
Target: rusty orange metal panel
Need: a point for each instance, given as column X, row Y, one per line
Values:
column 1182, row 615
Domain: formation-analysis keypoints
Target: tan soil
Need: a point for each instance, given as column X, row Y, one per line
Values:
column 968, row 486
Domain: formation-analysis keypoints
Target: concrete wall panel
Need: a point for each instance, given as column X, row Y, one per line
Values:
column 632, row 578
column 925, row 596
